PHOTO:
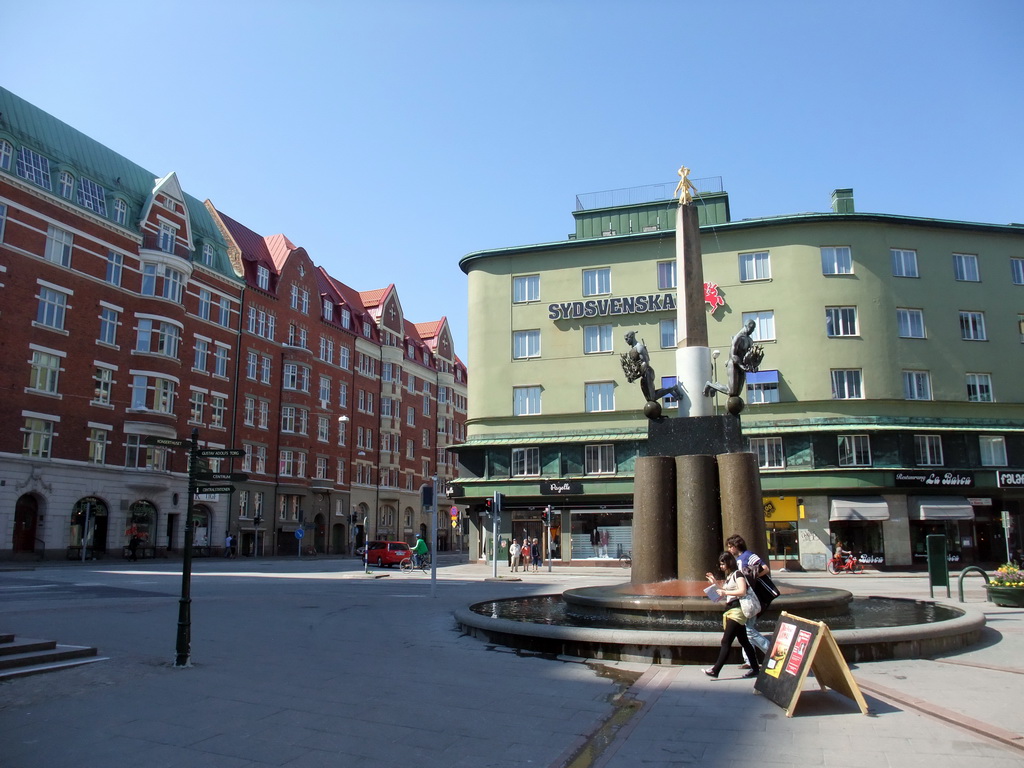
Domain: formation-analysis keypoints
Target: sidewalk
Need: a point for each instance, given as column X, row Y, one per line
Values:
column 318, row 664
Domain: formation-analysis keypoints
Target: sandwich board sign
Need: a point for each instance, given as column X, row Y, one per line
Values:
column 800, row 646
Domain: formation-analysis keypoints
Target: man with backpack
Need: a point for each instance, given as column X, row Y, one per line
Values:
column 753, row 568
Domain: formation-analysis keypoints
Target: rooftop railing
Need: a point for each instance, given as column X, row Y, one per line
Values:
column 647, row 194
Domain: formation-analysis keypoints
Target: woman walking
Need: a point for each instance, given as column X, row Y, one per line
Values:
column 734, row 622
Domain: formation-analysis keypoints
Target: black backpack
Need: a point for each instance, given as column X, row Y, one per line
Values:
column 763, row 587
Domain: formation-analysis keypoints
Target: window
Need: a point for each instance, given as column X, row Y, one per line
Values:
column 33, row 167
column 37, row 438
column 597, row 339
column 846, row 385
column 965, row 267
column 904, row 262
column 928, row 450
column 103, row 382
column 148, row 280
column 52, row 309
column 669, row 400
column 979, row 388
column 972, row 326
column 762, row 392
column 92, row 196
column 993, row 450
column 840, row 321
column 153, row 393
column 1017, row 271
column 597, row 282
column 167, row 237
column 600, row 396
column 854, row 451
column 410, row 416
column 296, row 377
column 120, row 211
column 346, row 317
column 667, row 332
column 6, row 152
column 769, row 452
column 205, row 302
column 207, row 255
column 115, row 267
column 755, row 266
column 262, row 277
column 265, row 369
column 3, row 219
column 58, row 246
column 264, row 414
column 67, row 185
column 158, row 338
column 98, row 446
column 525, row 288
column 836, row 260
column 45, row 372
column 525, row 401
column 666, row 275
column 764, row 324
column 252, row 365
column 525, row 461
column 221, row 358
column 910, row 323
column 525, row 344
column 197, row 404
column 109, row 320
column 249, row 412
column 917, row 385
column 218, row 408
column 599, row 459
column 344, row 357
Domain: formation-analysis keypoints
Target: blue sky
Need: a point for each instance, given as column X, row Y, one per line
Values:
column 392, row 138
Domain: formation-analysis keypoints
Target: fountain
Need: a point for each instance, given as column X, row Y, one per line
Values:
column 697, row 483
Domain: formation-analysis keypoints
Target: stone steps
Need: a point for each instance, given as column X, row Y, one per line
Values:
column 20, row 657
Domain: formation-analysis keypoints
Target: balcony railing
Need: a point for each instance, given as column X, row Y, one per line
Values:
column 650, row 193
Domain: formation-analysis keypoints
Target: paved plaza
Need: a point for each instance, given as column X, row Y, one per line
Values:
column 314, row 663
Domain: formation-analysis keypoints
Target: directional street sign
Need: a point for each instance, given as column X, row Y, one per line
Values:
column 224, row 477
column 222, row 453
column 215, row 489
column 166, row 442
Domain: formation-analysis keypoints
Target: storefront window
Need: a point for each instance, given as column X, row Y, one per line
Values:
column 602, row 535
column 141, row 522
column 920, row 530
column 863, row 538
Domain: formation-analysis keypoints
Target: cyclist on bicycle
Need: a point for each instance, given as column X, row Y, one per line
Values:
column 419, row 550
column 841, row 554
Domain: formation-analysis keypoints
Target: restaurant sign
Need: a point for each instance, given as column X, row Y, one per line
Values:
column 933, row 479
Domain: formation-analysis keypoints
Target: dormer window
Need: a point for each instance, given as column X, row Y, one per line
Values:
column 263, row 277
column 67, row 185
column 6, row 153
column 328, row 310
column 346, row 318
column 34, row 167
column 120, row 211
column 92, row 196
column 207, row 256
column 367, row 330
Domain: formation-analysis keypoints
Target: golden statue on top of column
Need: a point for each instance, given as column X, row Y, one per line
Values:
column 684, row 189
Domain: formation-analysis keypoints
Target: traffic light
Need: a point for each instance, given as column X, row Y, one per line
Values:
column 488, row 507
column 427, row 496
column 499, row 499
column 545, row 515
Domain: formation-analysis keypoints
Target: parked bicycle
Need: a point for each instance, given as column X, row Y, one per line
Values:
column 851, row 564
column 626, row 560
column 408, row 565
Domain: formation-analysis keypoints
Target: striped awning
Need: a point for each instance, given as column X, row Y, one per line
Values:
column 858, row 508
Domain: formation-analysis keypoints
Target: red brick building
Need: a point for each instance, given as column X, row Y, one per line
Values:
column 132, row 313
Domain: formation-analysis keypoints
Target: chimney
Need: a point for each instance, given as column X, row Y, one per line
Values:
column 842, row 201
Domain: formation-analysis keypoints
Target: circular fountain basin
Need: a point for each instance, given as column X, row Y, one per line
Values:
column 663, row 624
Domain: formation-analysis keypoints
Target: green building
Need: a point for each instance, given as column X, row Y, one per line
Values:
column 889, row 405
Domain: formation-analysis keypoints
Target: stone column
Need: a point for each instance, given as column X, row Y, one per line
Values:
column 698, row 524
column 742, row 506
column 654, row 520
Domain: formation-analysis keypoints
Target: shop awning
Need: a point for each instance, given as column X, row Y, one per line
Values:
column 859, row 508
column 940, row 508
column 763, row 377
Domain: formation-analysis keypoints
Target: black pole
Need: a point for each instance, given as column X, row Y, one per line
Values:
column 183, row 657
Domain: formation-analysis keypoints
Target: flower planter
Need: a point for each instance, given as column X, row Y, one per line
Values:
column 1008, row 597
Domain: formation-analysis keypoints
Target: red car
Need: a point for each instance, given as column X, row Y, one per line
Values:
column 387, row 552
